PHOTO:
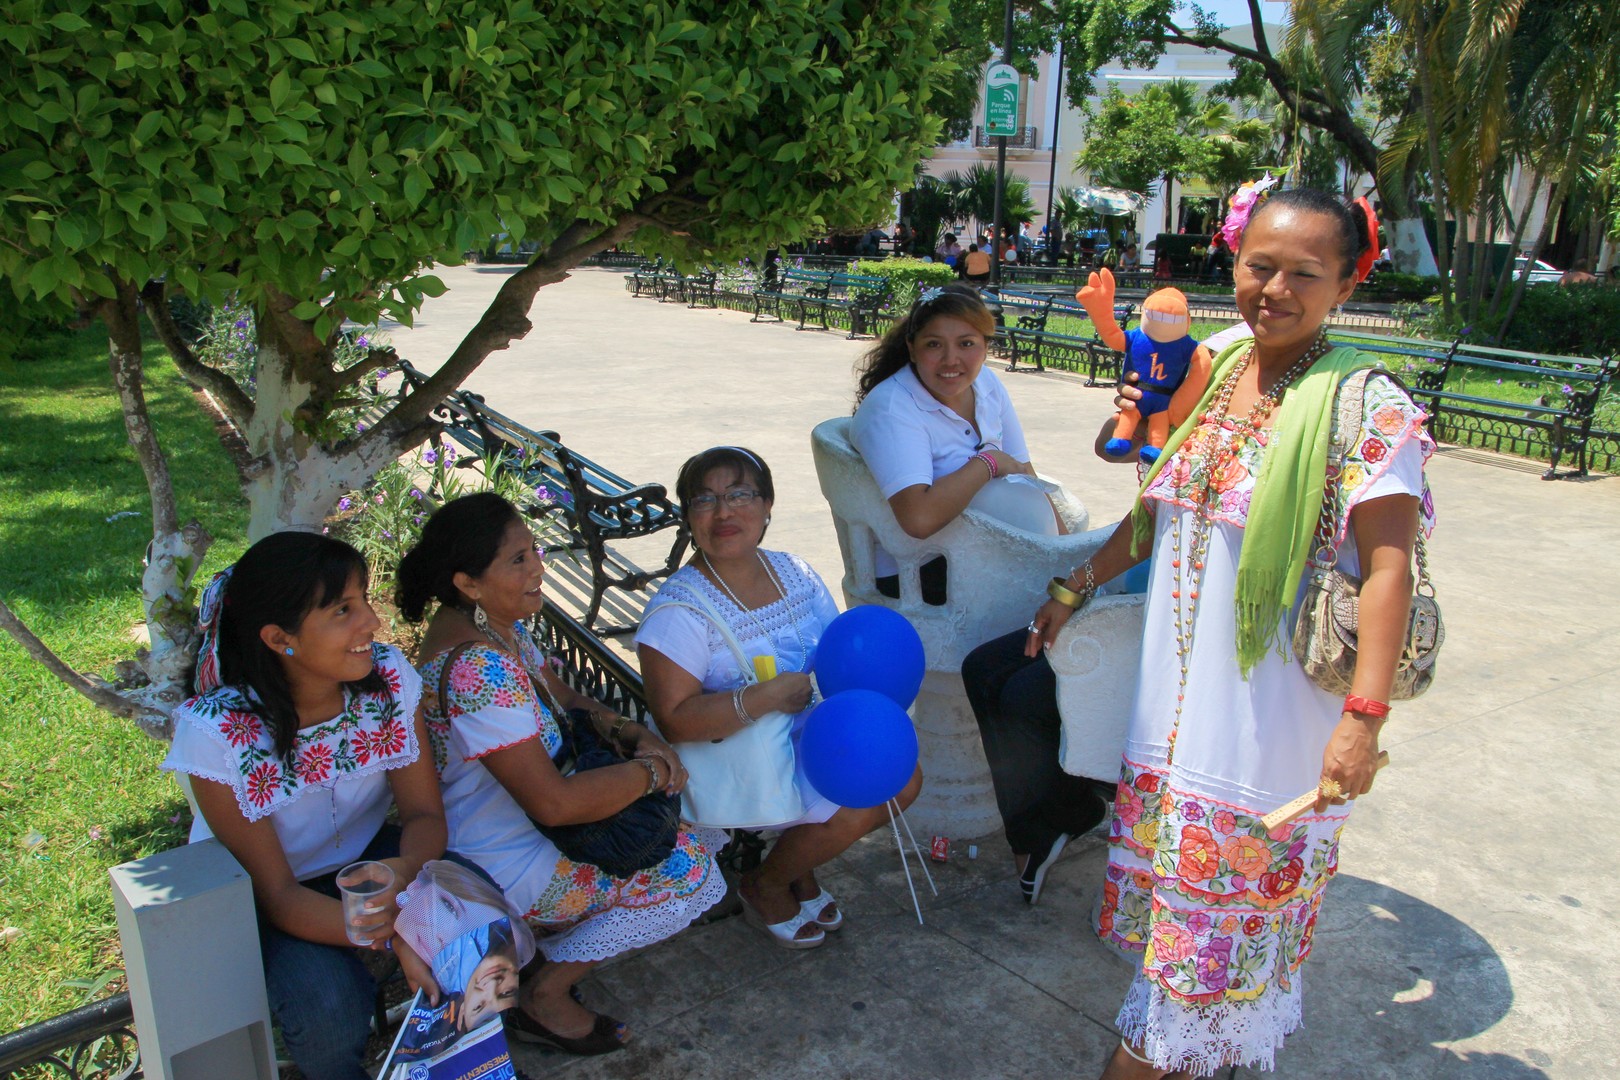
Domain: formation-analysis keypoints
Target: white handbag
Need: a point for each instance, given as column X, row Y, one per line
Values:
column 747, row 779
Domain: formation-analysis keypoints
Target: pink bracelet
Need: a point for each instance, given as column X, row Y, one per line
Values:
column 989, row 463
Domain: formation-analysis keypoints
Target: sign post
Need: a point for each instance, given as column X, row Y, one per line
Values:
column 1000, row 121
column 1001, row 100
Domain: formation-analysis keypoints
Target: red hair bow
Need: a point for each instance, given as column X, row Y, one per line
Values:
column 1364, row 264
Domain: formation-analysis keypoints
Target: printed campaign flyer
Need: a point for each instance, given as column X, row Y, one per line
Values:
column 461, row 1037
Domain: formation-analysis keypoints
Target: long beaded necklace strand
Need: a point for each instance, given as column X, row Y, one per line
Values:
column 1215, row 450
column 511, row 648
column 793, row 619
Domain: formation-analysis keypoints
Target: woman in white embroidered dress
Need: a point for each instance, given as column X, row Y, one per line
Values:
column 1227, row 727
column 496, row 740
column 303, row 733
column 776, row 607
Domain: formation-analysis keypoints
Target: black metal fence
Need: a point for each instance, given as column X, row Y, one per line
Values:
column 95, row 1042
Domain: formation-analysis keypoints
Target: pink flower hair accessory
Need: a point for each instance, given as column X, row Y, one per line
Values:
column 1241, row 207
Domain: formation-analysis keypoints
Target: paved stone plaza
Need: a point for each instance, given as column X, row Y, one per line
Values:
column 1467, row 934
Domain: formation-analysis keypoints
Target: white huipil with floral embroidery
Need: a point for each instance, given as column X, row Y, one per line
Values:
column 330, row 795
column 788, row 629
column 579, row 911
column 1220, row 911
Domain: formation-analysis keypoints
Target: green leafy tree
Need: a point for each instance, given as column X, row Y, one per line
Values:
column 314, row 158
column 1496, row 90
column 1136, row 33
column 1166, row 133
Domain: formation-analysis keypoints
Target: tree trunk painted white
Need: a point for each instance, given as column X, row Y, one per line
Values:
column 1409, row 247
column 301, row 478
column 176, row 550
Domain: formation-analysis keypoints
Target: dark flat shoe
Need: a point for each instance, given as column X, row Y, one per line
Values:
column 603, row 1037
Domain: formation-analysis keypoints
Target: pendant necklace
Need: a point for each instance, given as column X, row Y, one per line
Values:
column 1214, row 451
column 793, row 619
column 331, row 790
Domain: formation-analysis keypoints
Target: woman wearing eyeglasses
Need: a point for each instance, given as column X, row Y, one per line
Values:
column 774, row 608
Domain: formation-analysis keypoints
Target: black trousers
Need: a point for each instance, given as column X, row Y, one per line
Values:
column 930, row 575
column 1014, row 699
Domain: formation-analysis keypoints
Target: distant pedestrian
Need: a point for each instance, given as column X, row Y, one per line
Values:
column 975, row 265
column 1579, row 274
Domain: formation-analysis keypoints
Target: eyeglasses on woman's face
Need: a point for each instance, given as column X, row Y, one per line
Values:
column 707, row 503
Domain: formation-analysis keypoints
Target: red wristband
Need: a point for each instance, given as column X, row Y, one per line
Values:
column 990, row 463
column 1366, row 706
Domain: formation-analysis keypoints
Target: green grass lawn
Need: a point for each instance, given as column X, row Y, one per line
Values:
column 79, row 788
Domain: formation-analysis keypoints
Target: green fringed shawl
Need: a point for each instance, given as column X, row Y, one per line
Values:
column 1287, row 495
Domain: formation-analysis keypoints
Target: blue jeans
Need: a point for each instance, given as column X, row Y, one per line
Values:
column 321, row 996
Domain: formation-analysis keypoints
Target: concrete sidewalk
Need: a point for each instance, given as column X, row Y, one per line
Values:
column 1467, row 933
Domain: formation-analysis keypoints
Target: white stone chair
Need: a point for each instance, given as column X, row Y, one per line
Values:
column 997, row 576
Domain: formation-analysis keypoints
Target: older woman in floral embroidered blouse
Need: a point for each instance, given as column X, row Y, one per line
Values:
column 303, row 734
column 498, row 742
column 1227, row 728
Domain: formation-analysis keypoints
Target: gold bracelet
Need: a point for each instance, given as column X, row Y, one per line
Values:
column 618, row 726
column 1064, row 595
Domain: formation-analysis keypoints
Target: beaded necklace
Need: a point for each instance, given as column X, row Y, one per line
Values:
column 1216, row 451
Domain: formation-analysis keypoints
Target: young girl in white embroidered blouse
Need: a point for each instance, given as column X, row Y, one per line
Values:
column 303, row 733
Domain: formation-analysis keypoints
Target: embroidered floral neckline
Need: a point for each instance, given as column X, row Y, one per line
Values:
column 371, row 734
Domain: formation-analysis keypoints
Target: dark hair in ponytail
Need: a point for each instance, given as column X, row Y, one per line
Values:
column 278, row 582
column 463, row 536
column 893, row 351
column 1350, row 218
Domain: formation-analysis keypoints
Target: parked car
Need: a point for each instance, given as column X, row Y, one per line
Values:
column 1540, row 273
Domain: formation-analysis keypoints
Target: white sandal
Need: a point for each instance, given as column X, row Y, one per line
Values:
column 1130, row 1051
column 819, row 903
column 785, row 933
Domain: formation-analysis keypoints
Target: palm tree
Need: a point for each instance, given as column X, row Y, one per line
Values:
column 1502, row 89
column 975, row 197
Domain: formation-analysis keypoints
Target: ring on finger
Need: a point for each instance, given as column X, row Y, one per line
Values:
column 1033, row 628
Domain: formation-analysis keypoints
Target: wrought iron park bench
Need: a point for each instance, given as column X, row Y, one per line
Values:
column 1446, row 381
column 816, row 293
column 580, row 505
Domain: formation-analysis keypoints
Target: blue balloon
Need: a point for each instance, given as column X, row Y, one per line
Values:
column 1138, row 577
column 871, row 648
column 859, row 748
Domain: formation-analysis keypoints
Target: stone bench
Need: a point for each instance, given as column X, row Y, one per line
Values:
column 1095, row 655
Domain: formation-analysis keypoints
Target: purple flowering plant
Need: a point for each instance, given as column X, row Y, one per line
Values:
column 384, row 521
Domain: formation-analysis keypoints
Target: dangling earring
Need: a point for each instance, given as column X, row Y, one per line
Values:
column 480, row 619
column 1338, row 311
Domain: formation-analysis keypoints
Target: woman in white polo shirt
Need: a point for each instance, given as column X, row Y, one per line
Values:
column 935, row 427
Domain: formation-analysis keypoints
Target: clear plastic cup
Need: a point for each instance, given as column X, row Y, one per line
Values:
column 366, row 888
